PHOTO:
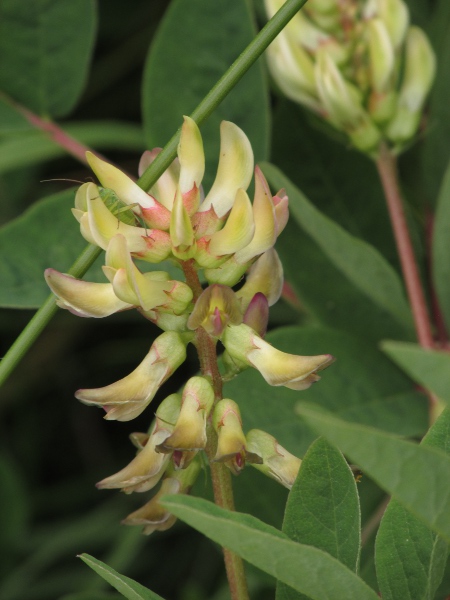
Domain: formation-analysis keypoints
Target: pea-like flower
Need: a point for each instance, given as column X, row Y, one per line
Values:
column 359, row 65
column 276, row 462
column 126, row 399
column 278, row 368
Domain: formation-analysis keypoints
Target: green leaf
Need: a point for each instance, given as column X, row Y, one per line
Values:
column 324, row 169
column 360, row 262
column 410, row 558
column 45, row 236
column 176, row 81
column 430, row 368
column 323, row 508
column 45, row 50
column 351, row 388
column 327, row 294
column 417, row 476
column 127, row 587
column 441, row 248
column 35, row 147
column 306, row 569
column 11, row 121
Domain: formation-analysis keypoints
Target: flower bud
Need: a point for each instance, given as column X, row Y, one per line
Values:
column 191, row 157
column 277, row 462
column 395, row 16
column 277, row 368
column 181, row 231
column 420, row 69
column 265, row 276
column 381, row 54
column 257, row 314
column 128, row 397
column 264, row 218
column 154, row 516
column 190, row 430
column 216, row 307
column 231, row 445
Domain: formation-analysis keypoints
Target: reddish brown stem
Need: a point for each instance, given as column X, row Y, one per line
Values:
column 220, row 475
column 58, row 135
column 387, row 169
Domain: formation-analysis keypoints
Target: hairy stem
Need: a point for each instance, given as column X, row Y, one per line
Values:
column 220, row 475
column 387, row 169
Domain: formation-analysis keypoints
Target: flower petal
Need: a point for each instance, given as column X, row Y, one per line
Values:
column 234, row 171
column 83, row 298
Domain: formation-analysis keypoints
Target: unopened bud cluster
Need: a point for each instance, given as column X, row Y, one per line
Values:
column 223, row 236
column 359, row 64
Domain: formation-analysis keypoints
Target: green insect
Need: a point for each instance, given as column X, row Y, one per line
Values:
column 124, row 212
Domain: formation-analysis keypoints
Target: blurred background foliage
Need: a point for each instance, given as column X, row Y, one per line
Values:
column 119, row 77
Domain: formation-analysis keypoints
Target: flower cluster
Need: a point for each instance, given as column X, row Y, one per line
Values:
column 224, row 236
column 359, row 65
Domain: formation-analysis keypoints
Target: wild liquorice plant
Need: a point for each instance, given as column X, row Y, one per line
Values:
column 365, row 73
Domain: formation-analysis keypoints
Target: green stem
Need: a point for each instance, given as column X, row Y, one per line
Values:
column 36, row 325
column 224, row 86
column 164, row 159
column 220, row 475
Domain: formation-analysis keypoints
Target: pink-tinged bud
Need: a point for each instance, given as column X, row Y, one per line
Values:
column 264, row 218
column 216, row 307
column 190, row 430
column 257, row 314
column 147, row 468
column 277, row 462
column 129, row 284
column 234, row 170
column 277, row 368
column 238, row 230
column 206, row 223
column 156, row 216
column 82, row 298
column 229, row 273
column 113, row 178
column 266, row 276
column 281, row 204
column 191, row 156
column 154, row 516
column 231, row 445
column 181, row 231
column 165, row 188
column 127, row 398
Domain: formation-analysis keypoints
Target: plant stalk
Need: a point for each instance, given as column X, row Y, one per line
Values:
column 220, row 475
column 388, row 172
